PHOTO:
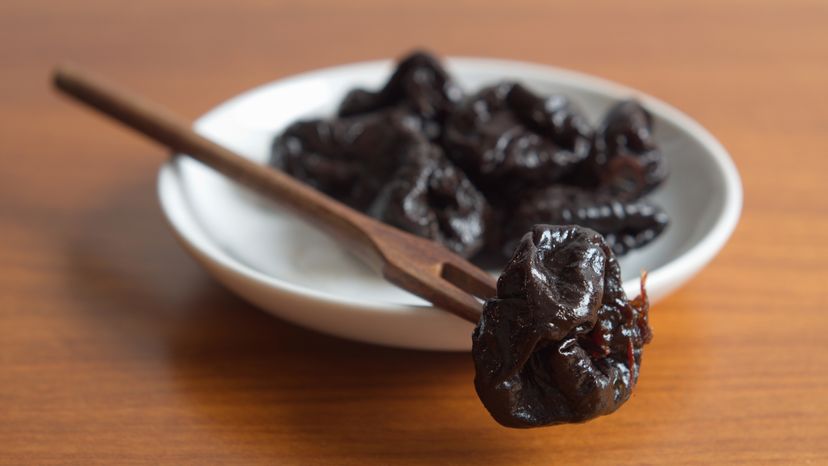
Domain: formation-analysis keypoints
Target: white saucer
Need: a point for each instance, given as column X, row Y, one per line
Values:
column 275, row 261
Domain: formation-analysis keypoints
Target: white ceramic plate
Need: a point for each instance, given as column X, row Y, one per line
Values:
column 284, row 266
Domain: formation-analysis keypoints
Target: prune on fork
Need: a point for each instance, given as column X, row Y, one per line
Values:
column 561, row 342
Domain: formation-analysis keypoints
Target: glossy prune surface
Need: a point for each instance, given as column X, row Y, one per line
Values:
column 534, row 159
column 419, row 87
column 561, row 342
column 508, row 139
column 625, row 225
column 378, row 164
column 430, row 197
column 625, row 160
column 348, row 158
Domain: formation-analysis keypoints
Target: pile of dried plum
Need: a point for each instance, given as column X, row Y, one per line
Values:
column 475, row 172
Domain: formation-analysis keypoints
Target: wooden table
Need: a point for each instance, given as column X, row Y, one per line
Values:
column 116, row 348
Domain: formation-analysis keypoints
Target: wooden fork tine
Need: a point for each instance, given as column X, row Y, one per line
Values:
column 470, row 278
column 437, row 290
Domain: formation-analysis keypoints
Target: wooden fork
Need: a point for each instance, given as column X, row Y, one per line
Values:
column 415, row 264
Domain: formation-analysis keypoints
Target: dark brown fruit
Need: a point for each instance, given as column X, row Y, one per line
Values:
column 625, row 225
column 533, row 158
column 561, row 342
column 419, row 88
column 350, row 159
column 508, row 140
column 430, row 197
column 625, row 160
column 376, row 163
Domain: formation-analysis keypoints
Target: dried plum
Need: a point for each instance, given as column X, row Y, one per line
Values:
column 377, row 164
column 507, row 139
column 625, row 225
column 419, row 87
column 535, row 159
column 349, row 159
column 625, row 159
column 561, row 342
column 430, row 197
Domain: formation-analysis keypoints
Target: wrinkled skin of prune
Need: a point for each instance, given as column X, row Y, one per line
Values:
column 625, row 225
column 419, row 88
column 510, row 143
column 349, row 159
column 430, row 197
column 624, row 160
column 561, row 342
column 377, row 164
column 507, row 140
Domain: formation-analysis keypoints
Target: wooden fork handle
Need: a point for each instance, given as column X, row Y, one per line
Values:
column 346, row 224
column 415, row 264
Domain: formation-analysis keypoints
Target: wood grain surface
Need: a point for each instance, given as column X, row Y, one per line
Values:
column 115, row 347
